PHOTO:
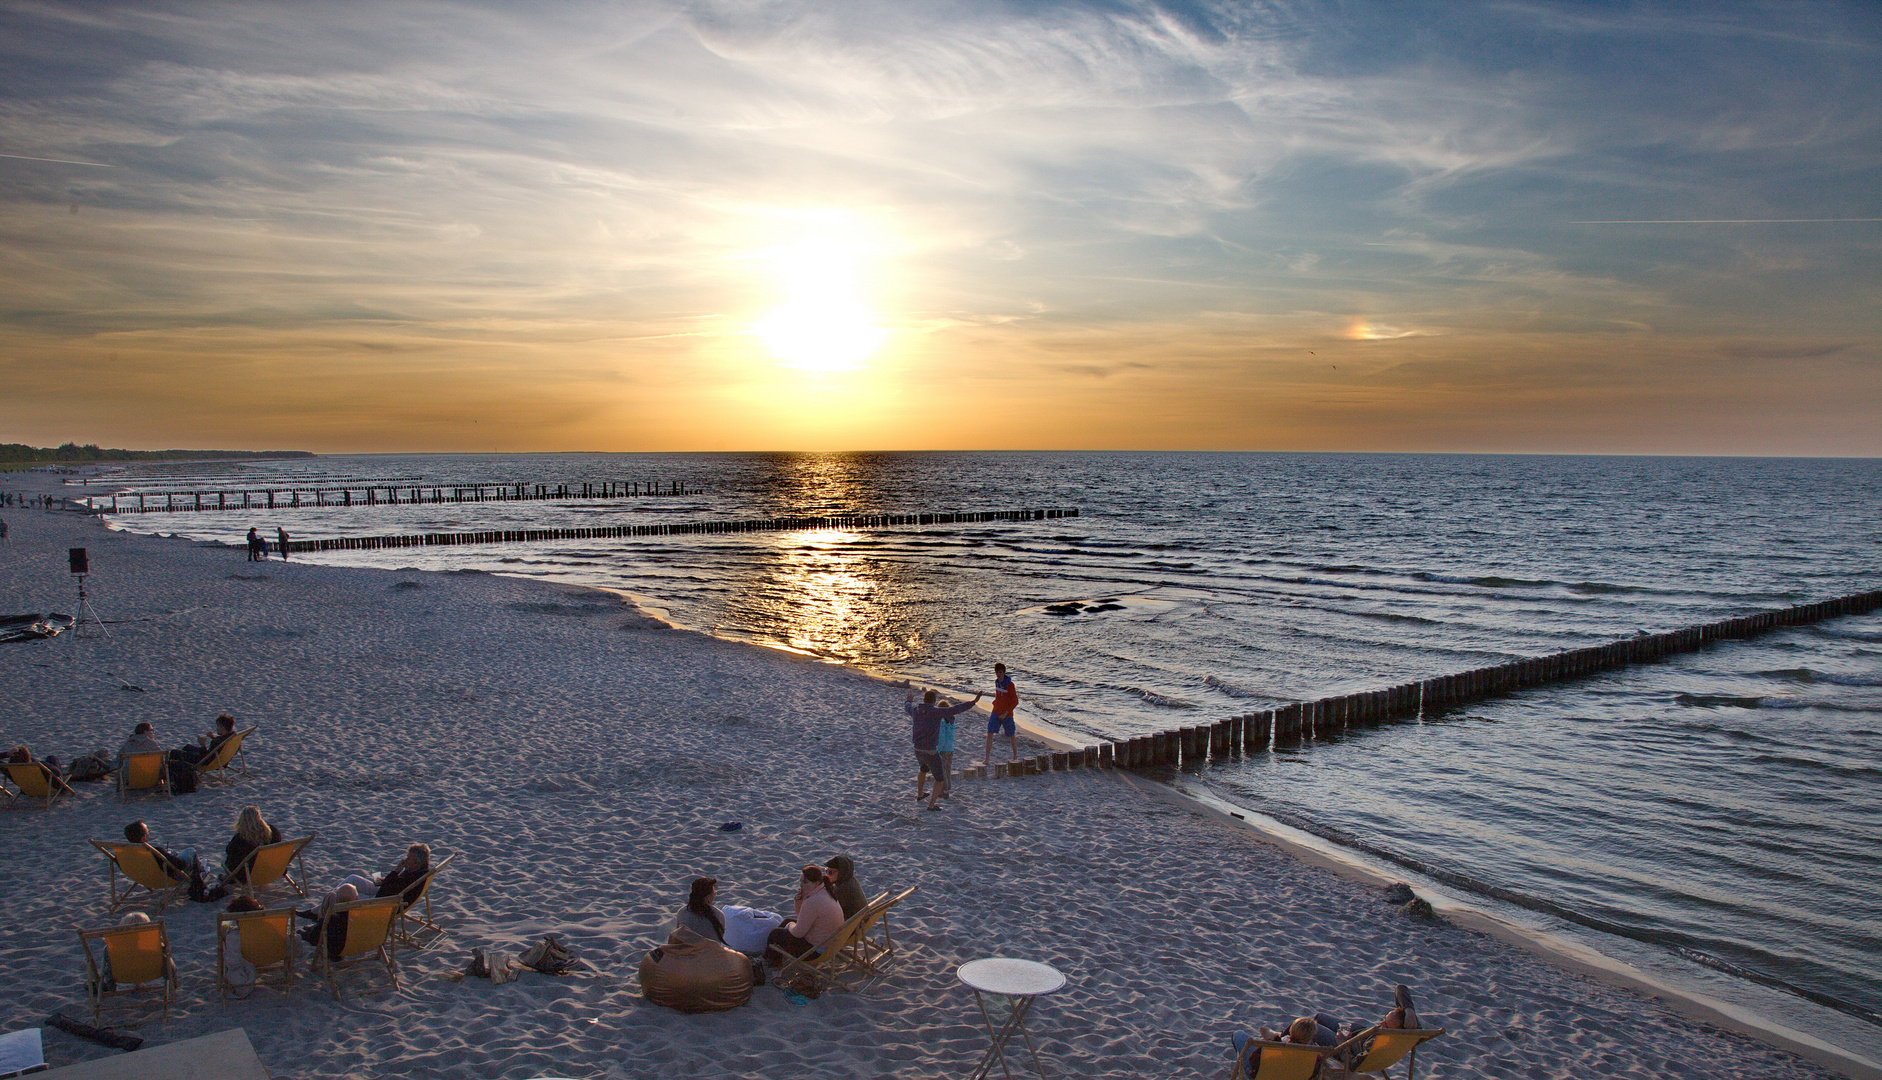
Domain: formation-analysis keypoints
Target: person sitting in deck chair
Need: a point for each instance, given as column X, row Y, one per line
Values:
column 49, row 765
column 819, row 916
column 251, row 832
column 180, row 865
column 336, row 926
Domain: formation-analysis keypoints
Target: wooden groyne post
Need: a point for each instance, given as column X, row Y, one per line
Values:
column 852, row 522
column 290, row 498
column 1191, row 748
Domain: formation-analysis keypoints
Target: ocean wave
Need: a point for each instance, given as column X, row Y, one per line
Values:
column 1814, row 765
column 1676, row 943
column 1223, row 686
column 1720, row 729
column 1163, row 701
column 1811, row 675
column 1716, row 701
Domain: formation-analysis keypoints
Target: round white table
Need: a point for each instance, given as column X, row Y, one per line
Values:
column 1019, row 982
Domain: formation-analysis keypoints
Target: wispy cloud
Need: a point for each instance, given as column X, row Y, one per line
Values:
column 373, row 189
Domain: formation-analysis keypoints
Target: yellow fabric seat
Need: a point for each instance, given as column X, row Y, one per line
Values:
column 369, row 940
column 265, row 939
column 33, row 784
column 1279, row 1060
column 1387, row 1047
column 143, row 869
column 228, row 761
column 136, row 955
column 270, row 864
column 147, row 773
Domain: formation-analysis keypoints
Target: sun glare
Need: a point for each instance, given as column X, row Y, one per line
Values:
column 823, row 326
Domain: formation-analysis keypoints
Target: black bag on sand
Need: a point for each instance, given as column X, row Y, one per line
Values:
column 182, row 776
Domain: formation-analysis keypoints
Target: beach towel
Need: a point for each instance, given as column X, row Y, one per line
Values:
column 748, row 929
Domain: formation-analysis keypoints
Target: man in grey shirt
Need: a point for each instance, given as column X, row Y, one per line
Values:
column 927, row 732
column 142, row 741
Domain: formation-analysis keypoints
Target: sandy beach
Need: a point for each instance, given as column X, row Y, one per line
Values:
column 578, row 761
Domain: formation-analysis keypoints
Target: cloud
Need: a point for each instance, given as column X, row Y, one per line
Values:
column 501, row 183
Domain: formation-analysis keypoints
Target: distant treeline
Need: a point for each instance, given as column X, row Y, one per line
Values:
column 73, row 452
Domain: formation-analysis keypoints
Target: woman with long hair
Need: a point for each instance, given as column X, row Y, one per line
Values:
column 251, row 832
column 700, row 915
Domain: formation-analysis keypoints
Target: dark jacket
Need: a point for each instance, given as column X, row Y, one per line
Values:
column 928, row 721
column 237, row 856
column 404, row 882
column 848, row 893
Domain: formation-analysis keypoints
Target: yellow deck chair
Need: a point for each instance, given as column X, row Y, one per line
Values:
column 826, row 965
column 872, row 957
column 35, row 787
column 228, row 762
column 369, row 940
column 147, row 773
column 1388, row 1047
column 418, row 930
column 269, row 866
column 142, row 870
column 265, row 939
column 139, row 955
column 1279, row 1060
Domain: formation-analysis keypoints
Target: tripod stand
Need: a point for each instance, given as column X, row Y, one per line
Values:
column 86, row 609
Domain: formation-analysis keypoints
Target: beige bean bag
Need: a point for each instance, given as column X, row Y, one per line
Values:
column 694, row 975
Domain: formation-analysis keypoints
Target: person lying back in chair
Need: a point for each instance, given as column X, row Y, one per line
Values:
column 180, row 865
column 48, row 765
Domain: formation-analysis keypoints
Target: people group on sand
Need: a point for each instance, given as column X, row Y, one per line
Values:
column 927, row 717
column 1322, row 1030
column 257, row 547
column 826, row 897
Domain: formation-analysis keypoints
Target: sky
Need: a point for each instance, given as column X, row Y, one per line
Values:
column 786, row 224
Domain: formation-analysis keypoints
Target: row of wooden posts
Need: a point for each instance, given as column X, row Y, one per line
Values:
column 292, row 498
column 673, row 528
column 1254, row 733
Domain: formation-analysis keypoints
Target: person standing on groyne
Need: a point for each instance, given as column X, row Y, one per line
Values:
column 1005, row 700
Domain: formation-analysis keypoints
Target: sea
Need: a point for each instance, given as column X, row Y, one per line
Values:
column 1710, row 821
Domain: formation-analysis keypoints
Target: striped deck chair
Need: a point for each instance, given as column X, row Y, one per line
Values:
column 826, row 965
column 1260, row 1059
column 416, row 930
column 142, row 870
column 369, row 940
column 1377, row 1049
column 872, row 957
column 36, row 788
column 265, row 939
column 269, row 864
column 228, row 763
column 147, row 773
column 138, row 955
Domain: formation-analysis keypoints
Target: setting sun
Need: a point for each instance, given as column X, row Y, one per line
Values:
column 823, row 326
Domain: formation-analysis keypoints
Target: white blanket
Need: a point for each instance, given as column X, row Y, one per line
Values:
column 746, row 929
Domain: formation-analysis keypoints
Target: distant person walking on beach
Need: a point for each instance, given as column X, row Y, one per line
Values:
column 927, row 732
column 282, row 535
column 1005, row 700
column 256, row 545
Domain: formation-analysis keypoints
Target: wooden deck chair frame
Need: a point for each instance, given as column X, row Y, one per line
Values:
column 375, row 943
column 420, row 931
column 36, row 789
column 163, row 975
column 870, row 956
column 1389, row 1047
column 1288, row 1061
column 159, row 887
column 159, row 786
column 273, row 861
column 273, row 970
column 824, row 965
column 229, row 763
